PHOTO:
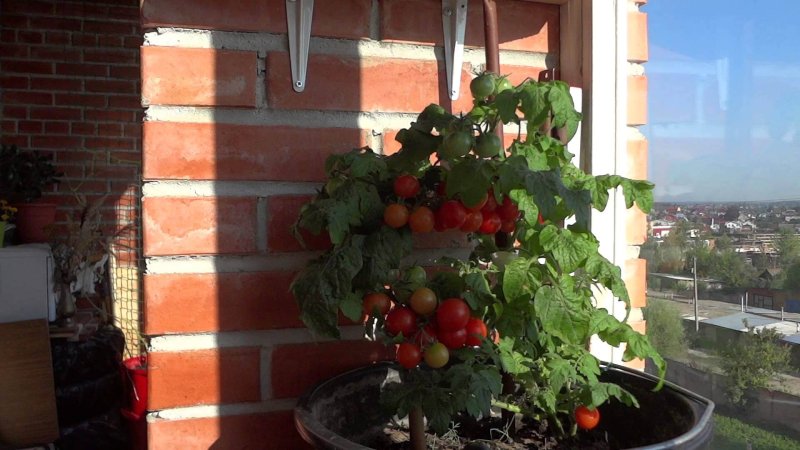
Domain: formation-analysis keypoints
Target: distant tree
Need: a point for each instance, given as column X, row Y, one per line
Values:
column 732, row 212
column 791, row 277
column 665, row 327
column 752, row 362
column 787, row 244
column 730, row 268
column 723, row 243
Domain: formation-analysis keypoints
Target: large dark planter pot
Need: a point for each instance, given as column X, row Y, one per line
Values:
column 344, row 413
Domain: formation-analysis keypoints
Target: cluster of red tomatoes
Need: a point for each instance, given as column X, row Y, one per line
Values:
column 430, row 329
column 486, row 217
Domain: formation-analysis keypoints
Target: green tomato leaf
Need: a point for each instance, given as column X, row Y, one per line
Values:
column 470, row 179
column 506, row 103
column 560, row 315
column 351, row 306
column 570, row 249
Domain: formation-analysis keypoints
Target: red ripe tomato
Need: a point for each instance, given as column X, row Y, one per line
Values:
column 508, row 226
column 491, row 223
column 406, row 186
column 377, row 301
column 453, row 214
column 401, row 320
column 479, row 205
column 473, row 222
column 476, row 331
column 422, row 220
column 395, row 215
column 587, row 418
column 409, row 355
column 452, row 315
column 491, row 203
column 453, row 339
column 438, row 223
column 508, row 211
column 541, row 219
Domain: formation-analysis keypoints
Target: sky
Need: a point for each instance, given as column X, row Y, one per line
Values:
column 724, row 99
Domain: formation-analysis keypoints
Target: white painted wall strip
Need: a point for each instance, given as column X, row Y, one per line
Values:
column 208, row 411
column 207, row 341
column 264, row 43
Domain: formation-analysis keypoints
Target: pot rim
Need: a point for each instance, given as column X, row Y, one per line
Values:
column 313, row 431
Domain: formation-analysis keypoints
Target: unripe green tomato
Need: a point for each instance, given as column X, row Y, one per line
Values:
column 488, row 145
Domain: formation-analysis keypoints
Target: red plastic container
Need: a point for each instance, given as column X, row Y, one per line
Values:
column 136, row 371
column 134, row 414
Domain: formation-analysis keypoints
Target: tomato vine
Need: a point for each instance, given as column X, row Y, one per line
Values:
column 529, row 279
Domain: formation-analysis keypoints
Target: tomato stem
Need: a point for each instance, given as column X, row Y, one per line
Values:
column 416, row 425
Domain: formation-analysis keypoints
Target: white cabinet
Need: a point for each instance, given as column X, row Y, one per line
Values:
column 26, row 283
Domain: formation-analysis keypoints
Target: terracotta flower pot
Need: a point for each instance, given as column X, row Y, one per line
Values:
column 34, row 221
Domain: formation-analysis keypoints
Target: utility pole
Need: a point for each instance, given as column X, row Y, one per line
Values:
column 694, row 272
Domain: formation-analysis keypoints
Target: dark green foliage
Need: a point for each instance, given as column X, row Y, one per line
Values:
column 25, row 175
column 752, row 362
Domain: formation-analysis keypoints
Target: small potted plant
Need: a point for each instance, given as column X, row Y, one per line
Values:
column 505, row 329
column 7, row 213
column 23, row 178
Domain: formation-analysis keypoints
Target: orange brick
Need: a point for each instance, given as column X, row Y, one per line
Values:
column 203, row 377
column 184, row 226
column 635, row 280
column 198, row 77
column 635, row 226
column 342, row 18
column 637, row 37
column 370, row 84
column 527, row 26
column 282, row 213
column 637, row 159
column 220, row 151
column 637, row 100
column 272, row 430
column 293, row 375
column 221, row 302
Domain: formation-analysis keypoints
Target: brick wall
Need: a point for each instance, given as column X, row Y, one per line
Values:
column 635, row 268
column 230, row 155
column 69, row 84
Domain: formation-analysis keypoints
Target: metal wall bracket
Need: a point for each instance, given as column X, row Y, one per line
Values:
column 454, row 23
column 298, row 22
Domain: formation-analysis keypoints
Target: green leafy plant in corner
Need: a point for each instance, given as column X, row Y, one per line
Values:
column 531, row 281
column 24, row 175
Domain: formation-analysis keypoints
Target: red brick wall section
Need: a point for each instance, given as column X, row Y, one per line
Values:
column 69, row 86
column 231, row 153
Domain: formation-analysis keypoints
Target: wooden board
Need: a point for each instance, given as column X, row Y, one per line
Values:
column 27, row 394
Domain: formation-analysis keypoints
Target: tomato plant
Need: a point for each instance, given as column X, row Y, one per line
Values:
column 395, row 215
column 535, row 288
column 482, row 86
column 409, row 355
column 457, row 143
column 491, row 223
column 406, row 186
column 587, row 418
column 377, row 301
column 422, row 220
column 473, row 222
column 452, row 315
column 507, row 211
column 453, row 339
column 423, row 301
column 437, row 355
column 488, row 145
column 476, row 331
column 453, row 214
column 401, row 320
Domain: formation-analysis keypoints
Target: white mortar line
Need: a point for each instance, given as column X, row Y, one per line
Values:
column 261, row 85
column 264, row 43
column 210, row 411
column 208, row 264
column 635, row 69
column 295, row 118
column 635, row 134
column 219, row 188
column 261, row 338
